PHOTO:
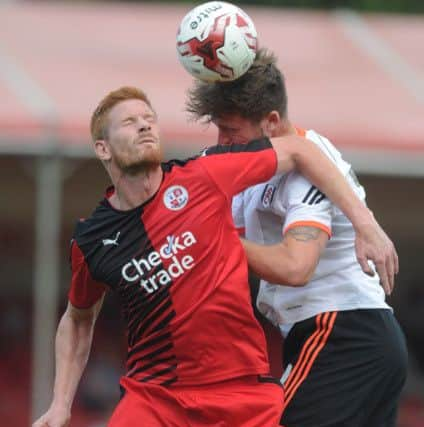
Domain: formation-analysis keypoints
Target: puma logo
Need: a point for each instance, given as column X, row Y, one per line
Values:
column 112, row 241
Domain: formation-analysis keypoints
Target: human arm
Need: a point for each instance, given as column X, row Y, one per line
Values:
column 290, row 262
column 73, row 343
column 371, row 241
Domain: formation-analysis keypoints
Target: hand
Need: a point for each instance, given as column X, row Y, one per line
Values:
column 372, row 243
column 54, row 417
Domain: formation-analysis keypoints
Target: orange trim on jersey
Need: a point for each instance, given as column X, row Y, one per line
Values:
column 310, row 351
column 315, row 224
column 300, row 131
column 241, row 231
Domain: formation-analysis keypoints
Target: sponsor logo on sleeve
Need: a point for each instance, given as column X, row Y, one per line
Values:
column 268, row 195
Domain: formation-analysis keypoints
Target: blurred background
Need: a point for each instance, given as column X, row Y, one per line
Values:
column 354, row 71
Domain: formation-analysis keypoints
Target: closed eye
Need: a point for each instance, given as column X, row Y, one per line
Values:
column 128, row 120
column 151, row 118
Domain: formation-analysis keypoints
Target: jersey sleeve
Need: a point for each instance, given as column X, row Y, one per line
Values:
column 237, row 208
column 305, row 205
column 237, row 166
column 84, row 292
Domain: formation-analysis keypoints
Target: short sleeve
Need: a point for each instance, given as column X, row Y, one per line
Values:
column 305, row 205
column 237, row 208
column 84, row 292
column 237, row 166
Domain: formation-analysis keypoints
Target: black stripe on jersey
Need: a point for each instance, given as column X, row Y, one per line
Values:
column 313, row 196
column 158, row 374
column 252, row 146
column 142, row 309
column 164, row 322
column 148, row 314
column 163, row 360
column 150, row 343
column 308, row 194
column 153, row 364
column 156, row 357
column 147, row 309
column 158, row 351
column 320, row 199
column 169, row 382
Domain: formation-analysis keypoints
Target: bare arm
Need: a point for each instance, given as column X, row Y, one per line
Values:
column 73, row 343
column 291, row 262
column 372, row 243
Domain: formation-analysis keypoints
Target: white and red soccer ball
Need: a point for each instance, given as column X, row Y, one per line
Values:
column 216, row 41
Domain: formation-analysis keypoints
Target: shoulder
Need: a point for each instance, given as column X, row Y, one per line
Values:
column 329, row 149
column 90, row 228
column 172, row 164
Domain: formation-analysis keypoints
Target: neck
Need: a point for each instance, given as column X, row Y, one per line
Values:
column 133, row 190
column 286, row 128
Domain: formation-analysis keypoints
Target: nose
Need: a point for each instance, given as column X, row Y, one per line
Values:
column 144, row 128
column 143, row 125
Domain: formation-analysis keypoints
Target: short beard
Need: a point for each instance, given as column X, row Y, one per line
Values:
column 133, row 168
column 138, row 168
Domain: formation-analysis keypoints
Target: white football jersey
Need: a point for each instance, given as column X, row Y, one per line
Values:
column 263, row 213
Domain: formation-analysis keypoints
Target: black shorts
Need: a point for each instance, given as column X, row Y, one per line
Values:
column 344, row 369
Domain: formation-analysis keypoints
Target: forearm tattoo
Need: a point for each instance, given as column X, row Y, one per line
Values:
column 304, row 234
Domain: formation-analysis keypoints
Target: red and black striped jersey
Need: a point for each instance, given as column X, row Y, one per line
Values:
column 179, row 270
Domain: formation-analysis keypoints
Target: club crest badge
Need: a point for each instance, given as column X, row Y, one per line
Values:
column 175, row 197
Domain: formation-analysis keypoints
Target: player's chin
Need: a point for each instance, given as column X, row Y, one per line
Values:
column 152, row 153
column 149, row 158
column 141, row 166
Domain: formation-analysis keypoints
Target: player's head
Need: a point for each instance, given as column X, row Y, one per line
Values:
column 125, row 131
column 251, row 106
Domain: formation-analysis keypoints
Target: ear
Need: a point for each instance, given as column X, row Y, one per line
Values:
column 102, row 150
column 271, row 123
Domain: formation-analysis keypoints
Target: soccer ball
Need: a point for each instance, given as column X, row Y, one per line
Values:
column 216, row 41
